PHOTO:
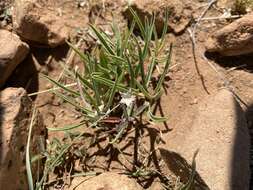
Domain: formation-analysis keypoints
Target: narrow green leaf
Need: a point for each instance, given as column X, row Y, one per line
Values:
column 165, row 28
column 62, row 86
column 27, row 155
column 131, row 71
column 150, row 71
column 69, row 74
column 165, row 71
column 65, row 148
column 107, row 38
column 86, row 89
column 157, row 44
column 140, row 67
column 37, row 158
column 103, row 41
column 138, row 21
column 143, row 73
column 117, row 58
column 103, row 59
column 112, row 94
column 146, row 93
column 141, row 109
column 129, row 33
column 150, row 29
column 52, row 165
column 190, row 183
column 84, row 82
column 81, row 55
column 87, row 66
column 154, row 118
column 105, row 71
column 95, row 88
column 118, row 39
column 73, row 103
column 66, row 128
column 109, row 83
column 97, row 94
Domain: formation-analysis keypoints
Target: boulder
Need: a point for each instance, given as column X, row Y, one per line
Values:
column 220, row 135
column 38, row 24
column 180, row 13
column 234, row 39
column 106, row 181
column 15, row 118
column 13, row 51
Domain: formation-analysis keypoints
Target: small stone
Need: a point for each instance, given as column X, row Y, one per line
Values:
column 49, row 86
column 37, row 24
column 183, row 91
column 195, row 101
column 234, row 39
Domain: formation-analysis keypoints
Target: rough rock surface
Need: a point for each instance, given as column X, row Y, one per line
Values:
column 15, row 114
column 36, row 23
column 13, row 51
column 156, row 185
column 225, row 3
column 105, row 181
column 221, row 135
column 234, row 39
column 180, row 13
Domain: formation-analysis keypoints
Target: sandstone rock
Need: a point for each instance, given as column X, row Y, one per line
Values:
column 105, row 181
column 15, row 114
column 13, row 51
column 221, row 135
column 180, row 13
column 38, row 24
column 234, row 39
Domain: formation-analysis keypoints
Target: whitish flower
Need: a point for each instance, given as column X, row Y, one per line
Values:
column 127, row 99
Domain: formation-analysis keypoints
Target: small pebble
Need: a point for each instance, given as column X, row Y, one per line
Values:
column 195, row 101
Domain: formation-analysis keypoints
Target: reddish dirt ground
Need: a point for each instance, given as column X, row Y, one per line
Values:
column 189, row 82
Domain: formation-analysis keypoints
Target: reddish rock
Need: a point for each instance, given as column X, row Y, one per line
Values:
column 234, row 39
column 15, row 118
column 13, row 51
column 37, row 24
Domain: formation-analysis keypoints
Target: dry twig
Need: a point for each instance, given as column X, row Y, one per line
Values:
column 193, row 40
column 226, row 82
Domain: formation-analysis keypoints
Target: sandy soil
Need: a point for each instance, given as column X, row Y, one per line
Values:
column 189, row 82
